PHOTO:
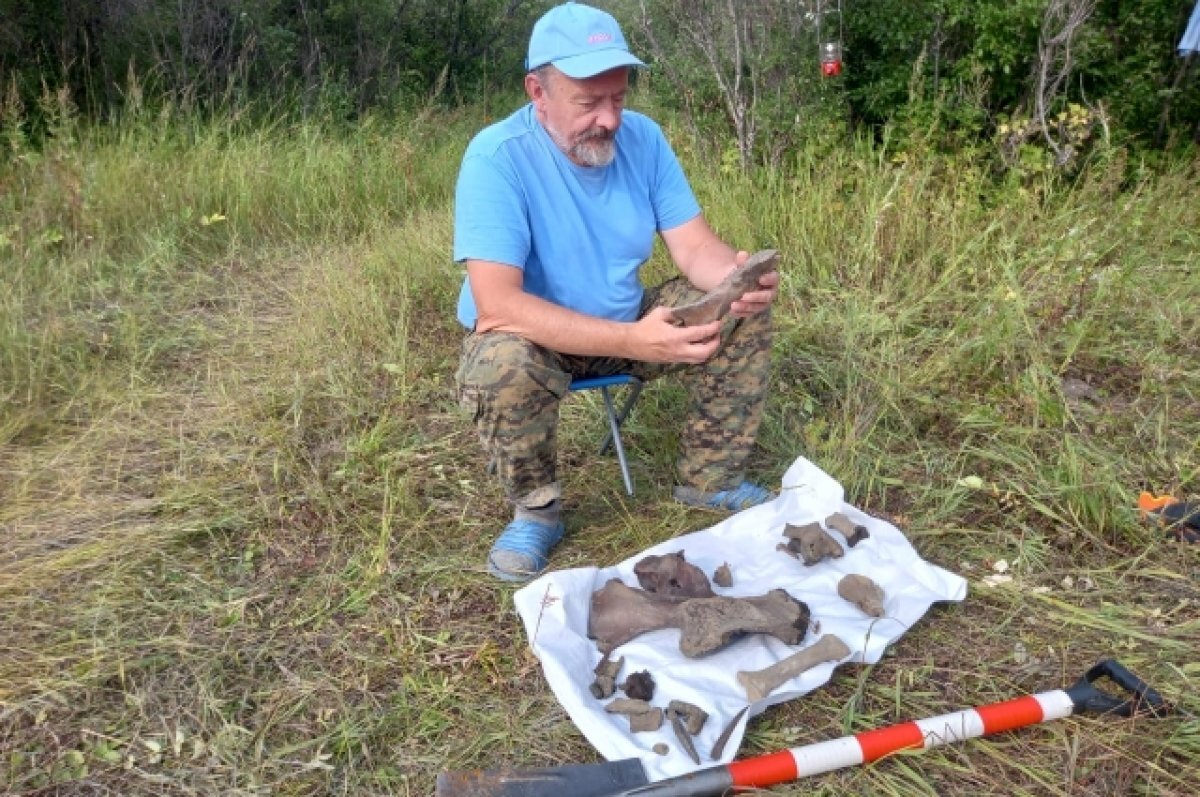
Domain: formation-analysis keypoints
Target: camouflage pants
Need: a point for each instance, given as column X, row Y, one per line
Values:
column 513, row 387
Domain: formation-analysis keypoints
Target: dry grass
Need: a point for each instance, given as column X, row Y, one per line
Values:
column 245, row 523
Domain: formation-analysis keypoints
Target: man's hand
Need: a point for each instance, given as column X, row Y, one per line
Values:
column 753, row 302
column 655, row 338
column 706, row 260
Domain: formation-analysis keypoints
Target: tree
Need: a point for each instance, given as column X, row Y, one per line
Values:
column 752, row 62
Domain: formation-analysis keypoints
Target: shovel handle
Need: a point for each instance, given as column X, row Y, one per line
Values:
column 1142, row 698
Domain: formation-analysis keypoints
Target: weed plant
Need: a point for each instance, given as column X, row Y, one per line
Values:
column 244, row 521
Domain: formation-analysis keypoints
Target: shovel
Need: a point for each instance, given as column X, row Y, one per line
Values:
column 627, row 778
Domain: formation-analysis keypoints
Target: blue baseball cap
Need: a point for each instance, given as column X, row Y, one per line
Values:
column 580, row 40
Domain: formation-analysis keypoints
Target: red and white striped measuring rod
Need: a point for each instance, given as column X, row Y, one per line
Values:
column 868, row 746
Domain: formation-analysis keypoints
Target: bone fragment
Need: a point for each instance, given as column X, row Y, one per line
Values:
column 671, row 574
column 863, row 593
column 723, row 576
column 606, row 677
column 642, row 716
column 639, row 685
column 760, row 683
column 661, row 748
column 810, row 543
column 715, row 304
column 685, row 739
column 692, row 715
column 719, row 746
column 620, row 613
column 853, row 532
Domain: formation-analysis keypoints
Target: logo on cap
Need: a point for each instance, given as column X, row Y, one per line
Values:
column 599, row 38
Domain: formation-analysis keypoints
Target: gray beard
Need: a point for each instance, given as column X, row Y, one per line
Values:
column 594, row 151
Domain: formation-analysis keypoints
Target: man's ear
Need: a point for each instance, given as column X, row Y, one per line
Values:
column 534, row 89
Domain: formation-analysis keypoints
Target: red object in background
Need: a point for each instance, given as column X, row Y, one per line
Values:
column 831, row 59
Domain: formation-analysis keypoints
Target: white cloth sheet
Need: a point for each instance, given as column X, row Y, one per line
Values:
column 554, row 609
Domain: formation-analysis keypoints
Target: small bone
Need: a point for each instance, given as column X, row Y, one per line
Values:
column 642, row 716
column 811, row 543
column 606, row 677
column 693, row 716
column 719, row 746
column 853, row 532
column 723, row 576
column 639, row 685
column 650, row 721
column 661, row 748
column 863, row 593
column 672, row 574
column 760, row 683
column 685, row 740
column 715, row 304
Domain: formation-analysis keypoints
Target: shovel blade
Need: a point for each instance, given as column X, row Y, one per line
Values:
column 609, row 779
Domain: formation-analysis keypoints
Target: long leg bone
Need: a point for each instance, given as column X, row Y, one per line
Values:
column 710, row 624
column 760, row 683
column 619, row 613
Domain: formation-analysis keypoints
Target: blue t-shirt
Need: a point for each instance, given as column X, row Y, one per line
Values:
column 580, row 234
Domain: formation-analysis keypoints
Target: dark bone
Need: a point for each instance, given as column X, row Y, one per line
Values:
column 670, row 574
column 715, row 304
column 685, row 741
column 723, row 576
column 760, row 683
column 606, row 677
column 719, row 746
column 863, row 593
column 843, row 525
column 810, row 543
column 639, row 686
column 620, row 613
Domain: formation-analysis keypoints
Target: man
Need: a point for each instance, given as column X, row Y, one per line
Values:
column 556, row 210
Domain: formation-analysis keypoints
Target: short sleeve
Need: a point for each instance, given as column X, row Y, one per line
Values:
column 490, row 212
column 674, row 202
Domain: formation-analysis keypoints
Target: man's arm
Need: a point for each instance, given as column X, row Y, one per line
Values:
column 503, row 305
column 706, row 260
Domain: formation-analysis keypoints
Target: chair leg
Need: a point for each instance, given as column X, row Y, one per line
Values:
column 614, row 436
column 635, row 390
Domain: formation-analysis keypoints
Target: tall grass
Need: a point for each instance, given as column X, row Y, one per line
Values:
column 244, row 520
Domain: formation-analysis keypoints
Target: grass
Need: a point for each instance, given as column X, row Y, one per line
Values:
column 245, row 522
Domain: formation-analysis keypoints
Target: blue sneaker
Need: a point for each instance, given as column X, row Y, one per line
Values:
column 523, row 549
column 744, row 496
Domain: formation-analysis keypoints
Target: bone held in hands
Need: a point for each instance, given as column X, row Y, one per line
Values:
column 760, row 683
column 716, row 303
column 620, row 613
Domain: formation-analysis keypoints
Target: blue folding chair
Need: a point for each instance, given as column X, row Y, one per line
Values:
column 615, row 419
